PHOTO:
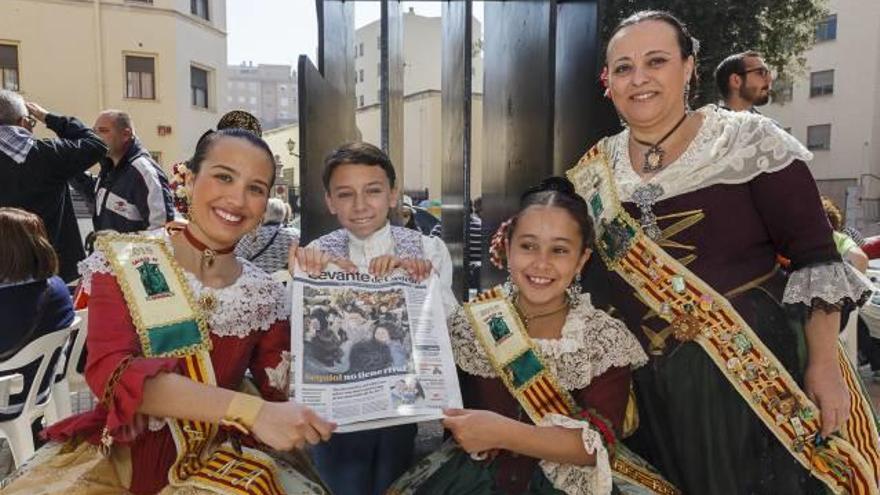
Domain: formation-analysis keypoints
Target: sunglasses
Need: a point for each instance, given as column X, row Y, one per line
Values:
column 32, row 122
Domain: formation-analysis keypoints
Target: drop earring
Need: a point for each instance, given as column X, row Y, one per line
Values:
column 687, row 97
column 573, row 291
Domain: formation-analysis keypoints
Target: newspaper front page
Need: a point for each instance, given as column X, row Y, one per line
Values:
column 371, row 352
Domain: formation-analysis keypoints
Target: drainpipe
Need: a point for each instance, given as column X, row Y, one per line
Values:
column 99, row 54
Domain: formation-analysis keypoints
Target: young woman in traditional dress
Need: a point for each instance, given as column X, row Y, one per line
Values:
column 545, row 376
column 746, row 392
column 174, row 324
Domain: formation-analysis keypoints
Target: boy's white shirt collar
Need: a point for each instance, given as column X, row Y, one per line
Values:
column 379, row 243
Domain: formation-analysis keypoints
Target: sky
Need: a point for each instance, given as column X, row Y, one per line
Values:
column 278, row 31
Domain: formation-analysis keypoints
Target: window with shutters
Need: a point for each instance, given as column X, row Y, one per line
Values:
column 140, row 77
column 819, row 137
column 199, row 8
column 199, row 86
column 821, row 83
column 826, row 29
column 9, row 67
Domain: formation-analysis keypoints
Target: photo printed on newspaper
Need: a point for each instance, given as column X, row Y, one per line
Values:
column 371, row 352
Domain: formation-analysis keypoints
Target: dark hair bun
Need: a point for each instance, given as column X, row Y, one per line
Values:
column 555, row 183
column 558, row 192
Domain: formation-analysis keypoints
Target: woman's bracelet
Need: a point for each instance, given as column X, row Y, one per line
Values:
column 242, row 412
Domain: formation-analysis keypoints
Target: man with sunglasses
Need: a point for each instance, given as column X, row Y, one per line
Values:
column 744, row 81
column 34, row 172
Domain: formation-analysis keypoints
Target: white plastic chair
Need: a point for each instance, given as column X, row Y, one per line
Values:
column 18, row 429
column 67, row 379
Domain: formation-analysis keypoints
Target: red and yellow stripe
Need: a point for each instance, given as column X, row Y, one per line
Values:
column 849, row 463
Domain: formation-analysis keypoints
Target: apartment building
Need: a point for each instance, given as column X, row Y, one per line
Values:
column 834, row 109
column 422, row 50
column 265, row 90
column 163, row 61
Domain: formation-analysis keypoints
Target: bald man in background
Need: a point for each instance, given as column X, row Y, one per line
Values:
column 131, row 191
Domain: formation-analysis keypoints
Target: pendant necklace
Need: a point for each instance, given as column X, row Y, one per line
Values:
column 527, row 318
column 208, row 254
column 654, row 155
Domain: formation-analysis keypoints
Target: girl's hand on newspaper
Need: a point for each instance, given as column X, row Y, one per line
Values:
column 476, row 431
column 288, row 425
column 418, row 269
column 314, row 261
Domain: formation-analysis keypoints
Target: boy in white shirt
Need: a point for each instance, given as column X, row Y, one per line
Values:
column 360, row 189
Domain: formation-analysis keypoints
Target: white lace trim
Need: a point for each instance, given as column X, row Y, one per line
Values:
column 579, row 480
column 729, row 148
column 155, row 423
column 95, row 263
column 834, row 283
column 590, row 344
column 279, row 376
column 254, row 302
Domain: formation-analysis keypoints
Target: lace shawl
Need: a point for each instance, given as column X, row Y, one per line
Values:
column 730, row 148
column 734, row 148
column 591, row 343
column 253, row 303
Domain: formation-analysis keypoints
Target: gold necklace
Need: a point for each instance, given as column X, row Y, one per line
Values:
column 527, row 318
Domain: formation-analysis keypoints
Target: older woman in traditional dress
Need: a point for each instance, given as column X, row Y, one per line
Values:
column 745, row 391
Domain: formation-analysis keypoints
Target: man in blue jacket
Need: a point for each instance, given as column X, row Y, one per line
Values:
column 131, row 191
column 34, row 172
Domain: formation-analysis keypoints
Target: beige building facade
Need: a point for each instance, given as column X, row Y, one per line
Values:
column 268, row 91
column 422, row 130
column 283, row 141
column 422, row 141
column 834, row 109
column 163, row 61
column 422, row 49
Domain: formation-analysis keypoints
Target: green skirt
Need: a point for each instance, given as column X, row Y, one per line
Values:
column 451, row 471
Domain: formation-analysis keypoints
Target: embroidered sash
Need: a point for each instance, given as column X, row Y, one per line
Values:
column 168, row 324
column 519, row 365
column 850, row 462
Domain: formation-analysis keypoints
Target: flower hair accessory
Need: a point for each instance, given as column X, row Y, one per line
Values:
column 498, row 245
column 180, row 192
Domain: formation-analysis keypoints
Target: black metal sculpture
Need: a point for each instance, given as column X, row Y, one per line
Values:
column 542, row 105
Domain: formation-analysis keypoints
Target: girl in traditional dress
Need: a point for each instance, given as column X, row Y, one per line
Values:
column 575, row 357
column 745, row 392
column 167, row 359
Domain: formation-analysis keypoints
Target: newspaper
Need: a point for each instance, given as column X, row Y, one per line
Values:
column 371, row 352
